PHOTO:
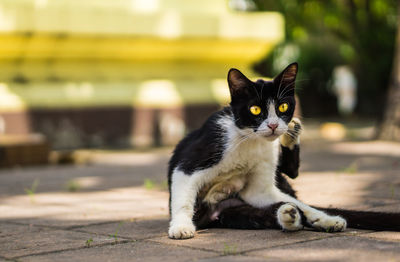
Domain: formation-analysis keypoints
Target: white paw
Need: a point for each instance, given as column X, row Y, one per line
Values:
column 181, row 231
column 292, row 136
column 329, row 223
column 289, row 217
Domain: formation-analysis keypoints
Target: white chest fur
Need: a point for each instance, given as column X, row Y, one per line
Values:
column 235, row 171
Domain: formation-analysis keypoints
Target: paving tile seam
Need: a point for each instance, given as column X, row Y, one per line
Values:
column 287, row 244
column 115, row 221
column 363, row 233
column 103, row 234
column 312, row 240
column 72, row 249
column 177, row 245
column 378, row 239
column 154, row 236
column 89, row 225
column 243, row 252
column 11, row 260
column 7, row 259
column 36, row 226
column 56, row 227
column 119, row 236
column 53, row 228
column 33, row 224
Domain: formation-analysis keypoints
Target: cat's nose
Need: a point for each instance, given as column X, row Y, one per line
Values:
column 273, row 126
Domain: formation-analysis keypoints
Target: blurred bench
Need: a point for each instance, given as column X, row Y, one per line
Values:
column 22, row 150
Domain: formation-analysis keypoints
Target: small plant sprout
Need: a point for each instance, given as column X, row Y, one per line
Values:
column 115, row 235
column 73, row 186
column 229, row 249
column 89, row 242
column 32, row 190
column 149, row 184
column 351, row 169
column 392, row 191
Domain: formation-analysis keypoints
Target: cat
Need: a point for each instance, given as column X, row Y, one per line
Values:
column 229, row 173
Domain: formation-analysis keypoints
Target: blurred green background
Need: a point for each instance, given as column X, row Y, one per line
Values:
column 142, row 73
column 324, row 34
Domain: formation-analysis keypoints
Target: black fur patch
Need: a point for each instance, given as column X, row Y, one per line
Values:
column 202, row 148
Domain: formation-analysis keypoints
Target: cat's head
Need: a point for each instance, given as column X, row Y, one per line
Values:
column 263, row 108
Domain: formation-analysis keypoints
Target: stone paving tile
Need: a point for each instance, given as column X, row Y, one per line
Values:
column 353, row 232
column 95, row 211
column 62, row 221
column 134, row 251
column 394, row 208
column 150, row 228
column 133, row 229
column 9, row 229
column 346, row 190
column 384, row 235
column 128, row 170
column 230, row 240
column 334, row 249
column 41, row 240
column 232, row 258
column 84, row 208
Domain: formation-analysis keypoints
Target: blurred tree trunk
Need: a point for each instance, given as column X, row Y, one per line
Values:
column 390, row 127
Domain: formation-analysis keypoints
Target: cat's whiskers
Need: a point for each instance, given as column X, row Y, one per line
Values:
column 280, row 94
column 241, row 140
column 262, row 88
column 285, row 92
column 286, row 89
column 256, row 92
column 237, row 119
column 280, row 83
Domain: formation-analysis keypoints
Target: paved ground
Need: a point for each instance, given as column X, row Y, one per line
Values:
column 115, row 209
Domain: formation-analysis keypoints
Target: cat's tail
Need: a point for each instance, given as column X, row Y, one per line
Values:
column 367, row 219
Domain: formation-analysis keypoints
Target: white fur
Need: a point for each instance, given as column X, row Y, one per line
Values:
column 251, row 159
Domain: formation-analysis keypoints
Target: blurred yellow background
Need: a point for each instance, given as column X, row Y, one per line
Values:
column 118, row 73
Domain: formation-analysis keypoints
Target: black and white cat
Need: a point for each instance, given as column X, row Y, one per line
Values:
column 228, row 173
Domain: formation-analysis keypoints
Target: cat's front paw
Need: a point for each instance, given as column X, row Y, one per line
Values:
column 289, row 217
column 292, row 136
column 181, row 231
column 329, row 223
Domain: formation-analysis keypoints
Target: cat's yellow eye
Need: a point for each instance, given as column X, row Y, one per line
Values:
column 283, row 107
column 255, row 110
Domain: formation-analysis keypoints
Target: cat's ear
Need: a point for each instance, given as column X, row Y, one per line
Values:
column 287, row 78
column 238, row 83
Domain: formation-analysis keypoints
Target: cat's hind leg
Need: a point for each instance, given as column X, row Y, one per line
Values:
column 318, row 219
column 235, row 213
column 261, row 192
column 324, row 222
column 315, row 218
